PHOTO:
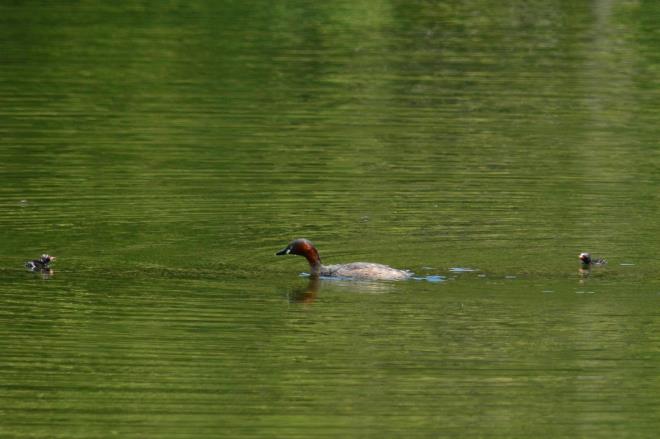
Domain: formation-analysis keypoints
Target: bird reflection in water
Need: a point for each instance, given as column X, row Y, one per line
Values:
column 584, row 273
column 309, row 293
column 47, row 273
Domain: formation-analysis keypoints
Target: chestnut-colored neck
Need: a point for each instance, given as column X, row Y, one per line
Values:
column 312, row 256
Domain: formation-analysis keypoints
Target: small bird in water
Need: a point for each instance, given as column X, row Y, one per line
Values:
column 356, row 270
column 588, row 261
column 40, row 264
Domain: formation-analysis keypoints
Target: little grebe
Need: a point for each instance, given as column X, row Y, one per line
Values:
column 41, row 263
column 588, row 261
column 356, row 270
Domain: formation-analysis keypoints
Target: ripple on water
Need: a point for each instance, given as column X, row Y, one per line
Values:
column 462, row 269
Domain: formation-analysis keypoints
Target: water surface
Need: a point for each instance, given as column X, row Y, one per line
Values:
column 164, row 152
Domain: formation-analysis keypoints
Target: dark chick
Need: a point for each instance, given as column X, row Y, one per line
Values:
column 588, row 261
column 40, row 264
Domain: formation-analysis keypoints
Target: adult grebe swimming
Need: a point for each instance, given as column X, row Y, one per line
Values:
column 355, row 270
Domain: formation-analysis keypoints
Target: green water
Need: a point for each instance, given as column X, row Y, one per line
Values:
column 164, row 151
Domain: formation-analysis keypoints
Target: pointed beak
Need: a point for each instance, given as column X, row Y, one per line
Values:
column 284, row 251
column 52, row 258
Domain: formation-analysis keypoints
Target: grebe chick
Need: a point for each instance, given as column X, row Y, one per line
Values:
column 356, row 270
column 40, row 264
column 588, row 261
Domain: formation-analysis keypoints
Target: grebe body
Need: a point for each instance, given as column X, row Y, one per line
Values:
column 355, row 270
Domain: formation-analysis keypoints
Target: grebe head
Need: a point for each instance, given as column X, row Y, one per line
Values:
column 302, row 247
column 46, row 259
column 585, row 258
